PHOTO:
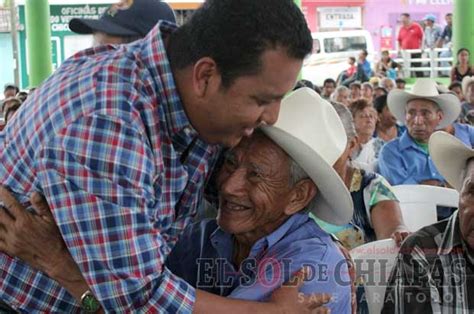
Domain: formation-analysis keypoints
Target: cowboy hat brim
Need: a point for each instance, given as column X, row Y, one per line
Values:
column 450, row 156
column 397, row 101
column 333, row 202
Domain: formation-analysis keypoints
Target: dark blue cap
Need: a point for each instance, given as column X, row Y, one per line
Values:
column 126, row 18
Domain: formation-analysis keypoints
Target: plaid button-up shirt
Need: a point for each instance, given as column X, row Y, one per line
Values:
column 433, row 274
column 107, row 141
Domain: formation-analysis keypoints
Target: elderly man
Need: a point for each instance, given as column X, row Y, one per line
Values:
column 434, row 272
column 406, row 159
column 263, row 233
column 121, row 140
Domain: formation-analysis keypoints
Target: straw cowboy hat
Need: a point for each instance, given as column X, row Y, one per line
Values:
column 425, row 89
column 466, row 81
column 450, row 156
column 310, row 132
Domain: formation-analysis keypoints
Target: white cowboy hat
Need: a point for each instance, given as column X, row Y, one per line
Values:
column 450, row 156
column 466, row 81
column 424, row 89
column 310, row 132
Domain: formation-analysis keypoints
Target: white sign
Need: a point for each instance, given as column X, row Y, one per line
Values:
column 340, row 17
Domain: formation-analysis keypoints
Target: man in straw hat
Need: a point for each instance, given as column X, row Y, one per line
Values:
column 267, row 186
column 434, row 272
column 406, row 160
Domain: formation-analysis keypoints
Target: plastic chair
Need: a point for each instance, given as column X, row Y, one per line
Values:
column 418, row 203
column 373, row 263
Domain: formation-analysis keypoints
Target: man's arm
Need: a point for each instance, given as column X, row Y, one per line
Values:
column 391, row 167
column 98, row 176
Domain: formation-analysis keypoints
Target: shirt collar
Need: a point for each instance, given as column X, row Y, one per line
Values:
column 407, row 142
column 223, row 241
column 155, row 59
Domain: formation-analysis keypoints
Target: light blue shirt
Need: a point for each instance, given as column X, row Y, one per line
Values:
column 402, row 161
column 465, row 133
column 204, row 258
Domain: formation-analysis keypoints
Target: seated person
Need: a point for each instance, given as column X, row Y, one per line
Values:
column 386, row 65
column 434, row 271
column 342, row 95
column 263, row 232
column 400, row 83
column 387, row 128
column 388, row 83
column 377, row 214
column 368, row 92
column 406, row 159
column 356, row 91
column 366, row 152
column 468, row 104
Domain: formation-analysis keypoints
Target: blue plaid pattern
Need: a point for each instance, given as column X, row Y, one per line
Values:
column 106, row 140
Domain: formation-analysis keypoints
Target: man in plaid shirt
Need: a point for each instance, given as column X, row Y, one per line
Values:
column 121, row 140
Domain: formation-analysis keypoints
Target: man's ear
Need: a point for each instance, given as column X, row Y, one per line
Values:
column 206, row 77
column 301, row 194
column 440, row 115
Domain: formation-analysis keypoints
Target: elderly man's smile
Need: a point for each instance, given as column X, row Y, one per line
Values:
column 233, row 206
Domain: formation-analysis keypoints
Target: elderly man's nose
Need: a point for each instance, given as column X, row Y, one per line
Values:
column 418, row 119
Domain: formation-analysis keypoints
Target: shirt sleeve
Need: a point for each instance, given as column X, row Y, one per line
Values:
column 377, row 191
column 101, row 178
column 391, row 167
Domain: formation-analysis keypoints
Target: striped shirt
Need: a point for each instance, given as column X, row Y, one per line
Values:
column 108, row 143
column 433, row 273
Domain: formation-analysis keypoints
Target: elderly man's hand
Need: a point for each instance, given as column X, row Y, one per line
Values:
column 34, row 238
column 399, row 236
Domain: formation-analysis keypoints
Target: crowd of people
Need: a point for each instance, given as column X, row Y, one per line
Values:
column 171, row 170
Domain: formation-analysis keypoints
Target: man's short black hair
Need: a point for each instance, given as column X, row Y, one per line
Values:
column 405, row 15
column 235, row 33
column 329, row 81
column 380, row 103
column 11, row 86
column 448, row 14
column 400, row 81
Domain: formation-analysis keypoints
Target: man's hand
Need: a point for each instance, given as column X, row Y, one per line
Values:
column 399, row 236
column 433, row 182
column 290, row 300
column 286, row 299
column 35, row 239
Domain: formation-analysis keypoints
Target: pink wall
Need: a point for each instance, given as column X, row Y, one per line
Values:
column 380, row 13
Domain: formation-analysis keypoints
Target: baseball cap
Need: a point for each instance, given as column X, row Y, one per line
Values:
column 126, row 18
column 430, row 17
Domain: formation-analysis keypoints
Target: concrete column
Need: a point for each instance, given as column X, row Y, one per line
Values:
column 38, row 41
column 463, row 26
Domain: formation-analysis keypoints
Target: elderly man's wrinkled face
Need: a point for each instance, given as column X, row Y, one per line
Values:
column 466, row 206
column 422, row 117
column 255, row 194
